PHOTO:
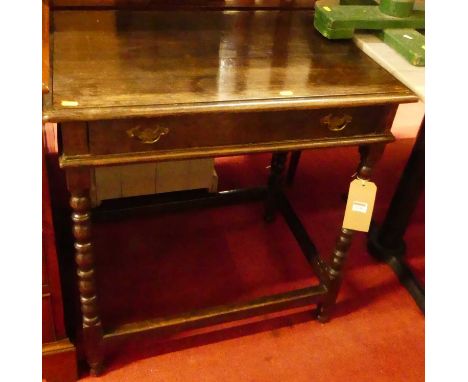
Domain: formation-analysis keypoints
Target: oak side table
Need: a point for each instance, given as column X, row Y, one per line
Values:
column 142, row 86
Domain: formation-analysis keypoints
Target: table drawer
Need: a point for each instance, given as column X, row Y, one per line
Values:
column 227, row 129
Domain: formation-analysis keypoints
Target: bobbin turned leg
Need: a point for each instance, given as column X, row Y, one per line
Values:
column 370, row 155
column 78, row 185
column 278, row 161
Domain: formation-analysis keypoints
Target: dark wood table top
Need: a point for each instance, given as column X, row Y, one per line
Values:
column 116, row 64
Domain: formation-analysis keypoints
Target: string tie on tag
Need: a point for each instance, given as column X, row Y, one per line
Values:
column 363, row 181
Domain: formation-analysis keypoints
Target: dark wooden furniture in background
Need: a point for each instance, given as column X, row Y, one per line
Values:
column 45, row 46
column 181, row 85
column 58, row 354
column 186, row 4
column 386, row 243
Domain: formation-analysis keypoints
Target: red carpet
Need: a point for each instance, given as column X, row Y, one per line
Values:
column 168, row 263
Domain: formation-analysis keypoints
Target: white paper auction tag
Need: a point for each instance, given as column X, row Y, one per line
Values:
column 361, row 199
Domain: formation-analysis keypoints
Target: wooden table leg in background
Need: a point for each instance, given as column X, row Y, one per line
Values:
column 78, row 182
column 293, row 163
column 278, row 162
column 386, row 243
column 370, row 155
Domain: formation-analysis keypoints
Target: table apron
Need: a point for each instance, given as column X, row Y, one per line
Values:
column 111, row 142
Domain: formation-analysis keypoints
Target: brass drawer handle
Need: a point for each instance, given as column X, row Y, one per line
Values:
column 335, row 123
column 147, row 135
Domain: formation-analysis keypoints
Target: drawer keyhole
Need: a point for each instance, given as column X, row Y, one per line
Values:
column 336, row 123
column 147, row 135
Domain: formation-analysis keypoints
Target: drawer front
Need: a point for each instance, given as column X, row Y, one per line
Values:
column 229, row 129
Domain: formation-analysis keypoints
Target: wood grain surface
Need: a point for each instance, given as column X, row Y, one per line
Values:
column 226, row 129
column 119, row 64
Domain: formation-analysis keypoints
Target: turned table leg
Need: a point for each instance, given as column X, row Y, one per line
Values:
column 370, row 155
column 78, row 184
column 278, row 161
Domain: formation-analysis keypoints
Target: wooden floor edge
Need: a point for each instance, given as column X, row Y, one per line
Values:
column 59, row 361
column 58, row 347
